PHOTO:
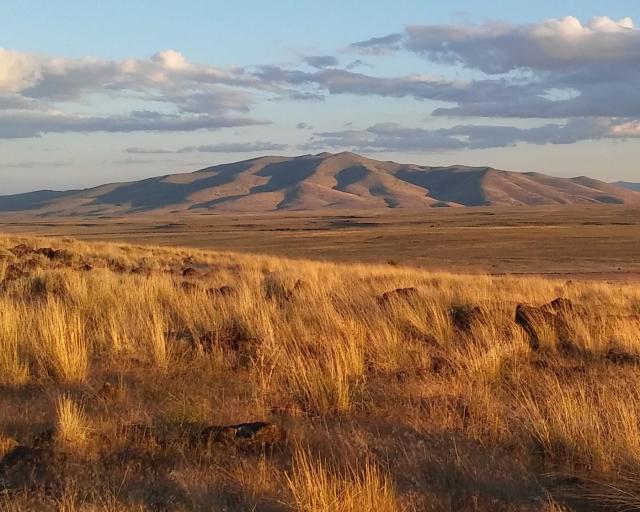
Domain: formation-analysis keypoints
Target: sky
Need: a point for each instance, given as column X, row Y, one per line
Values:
column 94, row 92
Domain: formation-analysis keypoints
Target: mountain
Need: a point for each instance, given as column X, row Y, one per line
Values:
column 323, row 181
column 628, row 185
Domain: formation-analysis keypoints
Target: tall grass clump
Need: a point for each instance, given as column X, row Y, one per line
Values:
column 60, row 346
column 14, row 370
column 316, row 487
column 72, row 425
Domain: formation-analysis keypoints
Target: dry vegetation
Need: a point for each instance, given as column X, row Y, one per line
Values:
column 132, row 379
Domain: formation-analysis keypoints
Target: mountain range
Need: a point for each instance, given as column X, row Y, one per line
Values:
column 628, row 185
column 319, row 182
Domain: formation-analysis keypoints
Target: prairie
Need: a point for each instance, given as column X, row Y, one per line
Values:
column 139, row 378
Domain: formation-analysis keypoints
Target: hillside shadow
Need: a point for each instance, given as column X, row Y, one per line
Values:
column 31, row 200
column 450, row 186
column 154, row 192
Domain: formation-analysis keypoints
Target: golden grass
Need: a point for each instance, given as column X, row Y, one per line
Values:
column 61, row 348
column 318, row 488
column 317, row 341
column 72, row 426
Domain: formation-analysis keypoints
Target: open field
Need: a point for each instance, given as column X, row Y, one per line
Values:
column 155, row 378
column 568, row 242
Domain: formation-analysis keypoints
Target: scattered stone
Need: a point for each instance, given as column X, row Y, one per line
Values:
column 439, row 365
column 223, row 291
column 190, row 272
column 564, row 307
column 55, row 254
column 399, row 294
column 535, row 321
column 621, row 358
column 301, row 285
column 38, row 464
column 116, row 266
column 141, row 271
column 21, row 250
column 108, row 391
column 464, row 317
column 13, row 272
column 245, row 435
column 189, row 286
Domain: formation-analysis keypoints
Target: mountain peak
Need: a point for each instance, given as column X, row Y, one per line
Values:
column 323, row 181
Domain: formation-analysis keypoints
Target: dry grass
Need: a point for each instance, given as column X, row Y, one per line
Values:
column 365, row 383
column 71, row 427
column 318, row 488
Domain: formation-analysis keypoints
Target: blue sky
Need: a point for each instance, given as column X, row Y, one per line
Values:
column 89, row 92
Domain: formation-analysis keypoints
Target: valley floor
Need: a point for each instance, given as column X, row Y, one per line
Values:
column 568, row 242
column 140, row 378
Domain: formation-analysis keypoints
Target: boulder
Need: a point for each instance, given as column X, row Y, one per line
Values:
column 190, row 272
column 464, row 317
column 21, row 250
column 564, row 307
column 55, row 254
column 223, row 291
column 14, row 272
column 538, row 322
column 399, row 294
column 245, row 435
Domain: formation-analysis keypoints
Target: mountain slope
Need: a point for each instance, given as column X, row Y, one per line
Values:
column 324, row 181
column 628, row 185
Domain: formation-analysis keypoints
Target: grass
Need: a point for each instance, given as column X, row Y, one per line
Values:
column 318, row 488
column 71, row 426
column 387, row 404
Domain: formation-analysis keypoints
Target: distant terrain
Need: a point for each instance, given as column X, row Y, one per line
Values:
column 629, row 185
column 573, row 242
column 321, row 182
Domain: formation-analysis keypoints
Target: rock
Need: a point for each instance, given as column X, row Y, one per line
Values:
column 245, row 435
column 621, row 358
column 189, row 286
column 141, row 271
column 564, row 307
column 539, row 322
column 55, row 254
column 190, row 272
column 116, row 266
column 399, row 294
column 35, row 465
column 21, row 250
column 301, row 286
column 108, row 391
column 13, row 272
column 223, row 291
column 464, row 317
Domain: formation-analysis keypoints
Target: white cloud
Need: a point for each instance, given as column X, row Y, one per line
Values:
column 17, row 71
column 37, row 93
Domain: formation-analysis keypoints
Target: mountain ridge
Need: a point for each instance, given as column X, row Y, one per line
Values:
column 319, row 182
column 628, row 185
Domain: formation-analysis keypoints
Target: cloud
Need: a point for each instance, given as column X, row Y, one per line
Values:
column 23, row 124
column 392, row 137
column 378, row 45
column 41, row 94
column 595, row 66
column 322, row 61
column 555, row 44
column 148, row 151
column 234, row 147
column 223, row 147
